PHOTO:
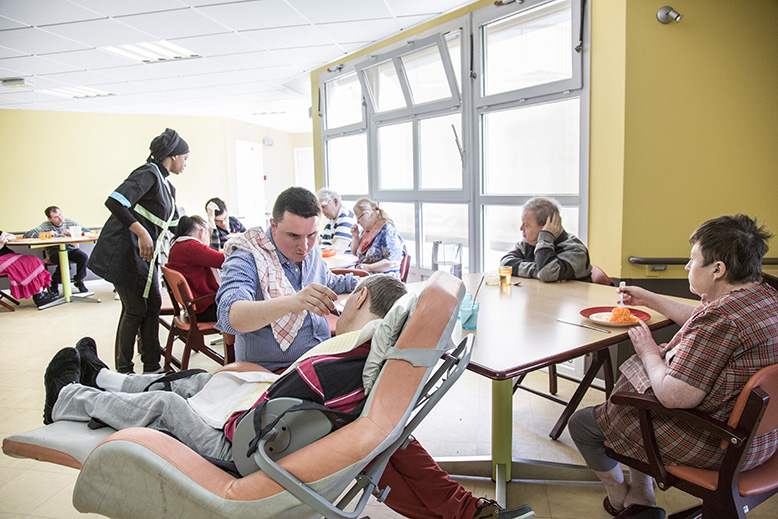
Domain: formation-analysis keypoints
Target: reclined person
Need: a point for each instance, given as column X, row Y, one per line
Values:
column 79, row 387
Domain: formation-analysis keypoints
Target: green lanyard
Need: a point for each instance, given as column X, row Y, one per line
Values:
column 163, row 225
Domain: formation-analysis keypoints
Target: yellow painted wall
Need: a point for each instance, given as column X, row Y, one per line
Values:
column 700, row 115
column 75, row 160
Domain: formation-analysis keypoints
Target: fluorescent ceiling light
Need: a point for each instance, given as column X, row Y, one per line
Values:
column 153, row 52
column 18, row 82
column 75, row 92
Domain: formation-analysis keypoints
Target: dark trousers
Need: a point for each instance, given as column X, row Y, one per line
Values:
column 140, row 316
column 77, row 256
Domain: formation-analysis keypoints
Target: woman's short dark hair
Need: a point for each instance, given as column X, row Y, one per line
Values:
column 738, row 242
column 296, row 200
column 190, row 225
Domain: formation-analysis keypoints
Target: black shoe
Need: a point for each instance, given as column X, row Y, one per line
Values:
column 491, row 509
column 53, row 289
column 44, row 298
column 90, row 362
column 81, row 287
column 63, row 369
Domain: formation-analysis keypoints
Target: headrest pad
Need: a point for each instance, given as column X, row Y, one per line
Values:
column 385, row 336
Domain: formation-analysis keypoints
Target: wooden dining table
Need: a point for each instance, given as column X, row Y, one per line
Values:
column 518, row 332
column 64, row 264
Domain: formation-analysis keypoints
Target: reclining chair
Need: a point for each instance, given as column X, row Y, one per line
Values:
column 141, row 472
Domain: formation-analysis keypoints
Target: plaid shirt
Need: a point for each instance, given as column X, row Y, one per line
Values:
column 717, row 350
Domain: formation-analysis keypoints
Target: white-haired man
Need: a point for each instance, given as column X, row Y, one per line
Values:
column 337, row 231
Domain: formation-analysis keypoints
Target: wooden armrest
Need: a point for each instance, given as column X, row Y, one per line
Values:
column 691, row 416
column 202, row 298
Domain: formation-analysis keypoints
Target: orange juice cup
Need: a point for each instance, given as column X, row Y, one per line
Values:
column 505, row 276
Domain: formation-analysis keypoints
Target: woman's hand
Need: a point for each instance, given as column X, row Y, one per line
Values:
column 642, row 340
column 145, row 243
column 635, row 295
column 5, row 237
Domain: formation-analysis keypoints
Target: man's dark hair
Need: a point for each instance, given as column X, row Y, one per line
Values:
column 219, row 202
column 296, row 200
column 384, row 291
column 738, row 242
column 50, row 209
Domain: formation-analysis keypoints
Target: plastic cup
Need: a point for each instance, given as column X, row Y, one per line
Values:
column 492, row 278
column 505, row 276
column 75, row 231
column 468, row 313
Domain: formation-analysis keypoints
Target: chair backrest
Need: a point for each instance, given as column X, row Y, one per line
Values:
column 405, row 265
column 357, row 272
column 599, row 276
column 179, row 289
column 765, row 379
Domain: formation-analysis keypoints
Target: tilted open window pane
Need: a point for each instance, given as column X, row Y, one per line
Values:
column 347, row 164
column 531, row 48
column 426, row 75
column 343, row 101
column 502, row 230
column 454, row 44
column 384, row 87
column 534, row 149
column 395, row 151
column 448, row 223
column 441, row 163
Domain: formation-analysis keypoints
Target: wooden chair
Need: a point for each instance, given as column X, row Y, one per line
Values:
column 9, row 297
column 405, row 265
column 728, row 491
column 186, row 327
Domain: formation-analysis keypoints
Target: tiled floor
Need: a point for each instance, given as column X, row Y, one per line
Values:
column 459, row 425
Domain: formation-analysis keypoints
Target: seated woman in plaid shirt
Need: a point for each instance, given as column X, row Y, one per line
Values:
column 722, row 342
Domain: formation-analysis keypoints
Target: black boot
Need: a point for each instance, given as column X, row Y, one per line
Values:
column 63, row 369
column 90, row 362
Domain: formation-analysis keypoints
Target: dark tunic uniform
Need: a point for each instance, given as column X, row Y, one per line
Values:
column 116, row 256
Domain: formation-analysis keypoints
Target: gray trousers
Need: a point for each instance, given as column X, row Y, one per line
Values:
column 590, row 440
column 166, row 411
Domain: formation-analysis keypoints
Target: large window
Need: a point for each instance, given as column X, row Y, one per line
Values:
column 453, row 130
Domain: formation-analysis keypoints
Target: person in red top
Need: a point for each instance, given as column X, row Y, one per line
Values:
column 195, row 260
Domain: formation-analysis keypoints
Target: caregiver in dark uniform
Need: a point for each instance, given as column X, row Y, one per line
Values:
column 143, row 209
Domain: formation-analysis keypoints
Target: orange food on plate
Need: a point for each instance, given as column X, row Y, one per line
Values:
column 622, row 315
column 328, row 253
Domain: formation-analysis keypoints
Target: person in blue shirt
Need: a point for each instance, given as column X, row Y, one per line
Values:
column 276, row 289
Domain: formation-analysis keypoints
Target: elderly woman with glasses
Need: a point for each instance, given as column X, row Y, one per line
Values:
column 376, row 241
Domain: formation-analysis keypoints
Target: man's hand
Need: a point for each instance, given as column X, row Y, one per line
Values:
column 211, row 209
column 315, row 298
column 553, row 225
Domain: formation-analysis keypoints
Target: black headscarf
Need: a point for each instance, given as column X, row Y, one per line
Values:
column 167, row 144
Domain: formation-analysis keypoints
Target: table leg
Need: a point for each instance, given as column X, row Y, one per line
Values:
column 502, row 436
column 64, row 269
column 572, row 405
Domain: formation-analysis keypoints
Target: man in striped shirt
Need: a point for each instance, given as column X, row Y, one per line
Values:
column 337, row 232
column 60, row 225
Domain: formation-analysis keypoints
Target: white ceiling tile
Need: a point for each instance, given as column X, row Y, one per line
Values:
column 32, row 40
column 288, row 37
column 247, row 60
column 100, row 33
column 44, row 12
column 219, row 44
column 80, row 78
column 348, row 32
column 428, row 9
column 342, row 10
column 174, row 24
column 124, row 7
column 93, row 59
column 7, row 23
column 309, row 57
column 259, row 14
column 5, row 52
column 34, row 65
